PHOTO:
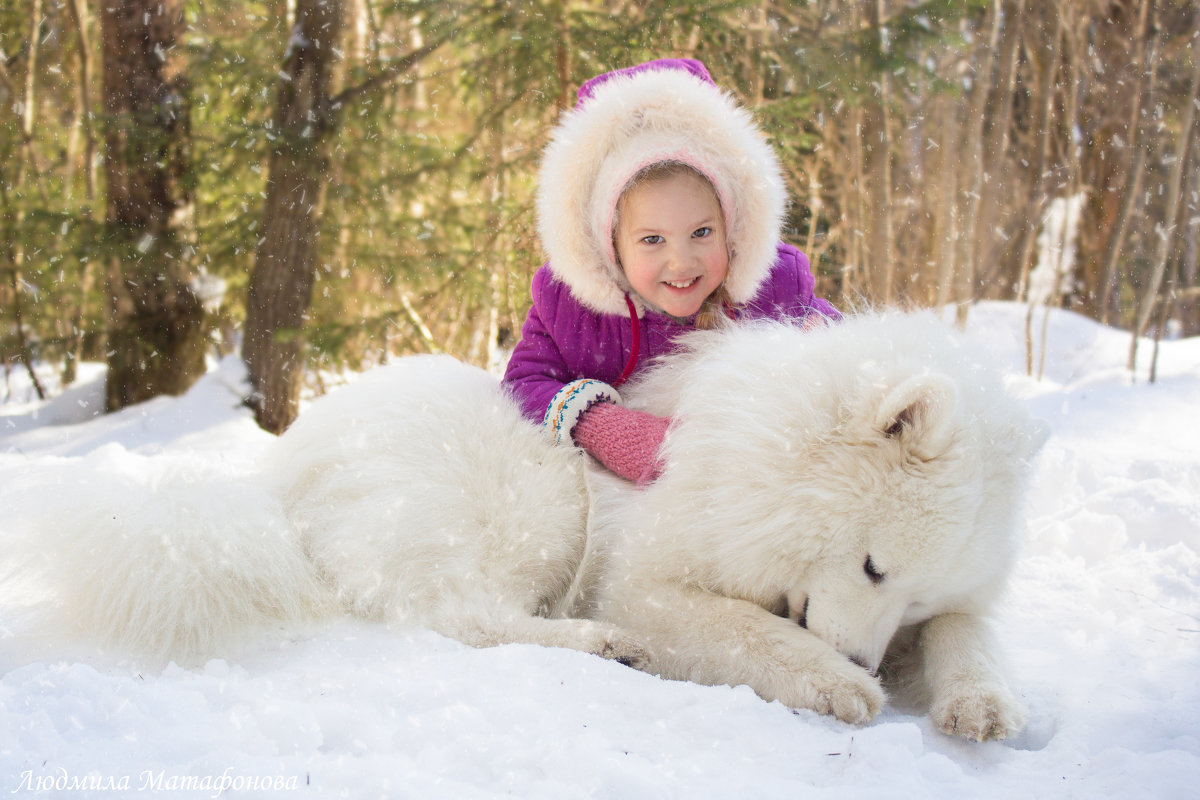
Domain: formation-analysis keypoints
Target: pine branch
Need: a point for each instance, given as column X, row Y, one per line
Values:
column 393, row 71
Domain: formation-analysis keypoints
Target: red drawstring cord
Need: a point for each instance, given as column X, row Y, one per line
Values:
column 631, row 364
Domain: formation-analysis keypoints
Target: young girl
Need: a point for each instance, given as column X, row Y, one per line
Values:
column 659, row 207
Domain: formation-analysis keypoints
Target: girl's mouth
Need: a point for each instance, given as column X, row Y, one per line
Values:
column 682, row 284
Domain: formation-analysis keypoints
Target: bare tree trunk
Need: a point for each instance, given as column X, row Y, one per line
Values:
column 1070, row 123
column 855, row 275
column 1166, row 303
column 1145, row 71
column 1189, row 308
column 494, row 261
column 876, row 133
column 74, row 349
column 964, row 280
column 946, row 204
column 997, row 139
column 14, row 251
column 814, row 209
column 1074, row 187
column 285, row 262
column 1037, row 198
column 1166, row 233
column 31, row 70
column 305, row 119
column 156, row 324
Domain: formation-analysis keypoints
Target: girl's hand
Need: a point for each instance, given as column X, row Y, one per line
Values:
column 624, row 440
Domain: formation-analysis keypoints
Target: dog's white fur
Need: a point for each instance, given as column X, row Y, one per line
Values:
column 423, row 496
column 163, row 556
column 796, row 457
column 419, row 495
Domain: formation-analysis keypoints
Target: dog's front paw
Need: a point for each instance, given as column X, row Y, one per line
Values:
column 841, row 689
column 978, row 711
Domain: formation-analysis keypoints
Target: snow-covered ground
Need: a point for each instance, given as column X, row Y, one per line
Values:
column 1102, row 630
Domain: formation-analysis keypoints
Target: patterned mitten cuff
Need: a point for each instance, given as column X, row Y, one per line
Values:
column 568, row 405
column 624, row 440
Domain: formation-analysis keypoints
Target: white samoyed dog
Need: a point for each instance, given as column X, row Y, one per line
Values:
column 834, row 505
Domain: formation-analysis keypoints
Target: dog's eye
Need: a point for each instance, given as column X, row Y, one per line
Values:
column 873, row 572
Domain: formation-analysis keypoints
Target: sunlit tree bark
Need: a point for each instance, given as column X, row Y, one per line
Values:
column 1144, row 69
column 877, row 136
column 156, row 332
column 306, row 117
column 1048, row 59
column 965, row 266
column 85, row 131
column 999, row 184
column 286, row 258
column 1169, row 230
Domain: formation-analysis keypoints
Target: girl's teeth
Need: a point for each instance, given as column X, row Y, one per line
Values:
column 680, row 284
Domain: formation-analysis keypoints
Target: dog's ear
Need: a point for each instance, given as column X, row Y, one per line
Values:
column 919, row 413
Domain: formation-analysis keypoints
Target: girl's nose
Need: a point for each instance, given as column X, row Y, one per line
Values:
column 677, row 258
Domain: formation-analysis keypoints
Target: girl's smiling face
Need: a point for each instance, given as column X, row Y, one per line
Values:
column 670, row 239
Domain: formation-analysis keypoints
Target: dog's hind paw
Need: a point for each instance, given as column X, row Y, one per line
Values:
column 624, row 650
column 980, row 712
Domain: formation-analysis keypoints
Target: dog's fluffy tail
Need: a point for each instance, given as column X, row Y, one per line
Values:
column 169, row 561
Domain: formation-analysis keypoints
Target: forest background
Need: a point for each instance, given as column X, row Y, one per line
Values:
column 324, row 184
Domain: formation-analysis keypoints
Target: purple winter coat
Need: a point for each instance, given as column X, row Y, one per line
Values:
column 563, row 341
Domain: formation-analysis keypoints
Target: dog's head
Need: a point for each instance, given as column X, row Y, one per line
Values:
column 870, row 472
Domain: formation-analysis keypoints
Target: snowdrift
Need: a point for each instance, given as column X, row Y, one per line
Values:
column 1102, row 629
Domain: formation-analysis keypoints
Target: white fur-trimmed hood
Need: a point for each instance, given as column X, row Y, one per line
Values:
column 636, row 118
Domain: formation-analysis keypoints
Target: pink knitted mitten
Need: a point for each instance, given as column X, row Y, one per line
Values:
column 624, row 440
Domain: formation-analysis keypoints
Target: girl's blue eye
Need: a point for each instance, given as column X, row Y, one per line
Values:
column 655, row 239
column 700, row 233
